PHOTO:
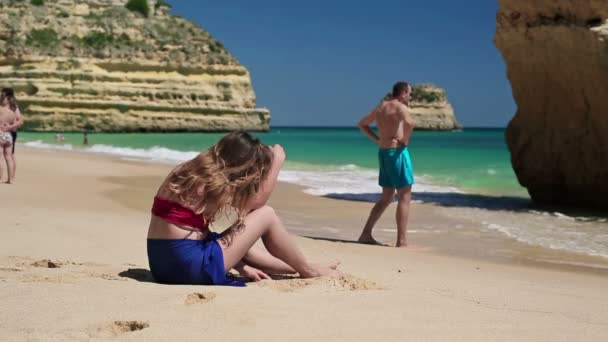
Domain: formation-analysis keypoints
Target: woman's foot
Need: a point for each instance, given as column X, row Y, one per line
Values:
column 321, row 271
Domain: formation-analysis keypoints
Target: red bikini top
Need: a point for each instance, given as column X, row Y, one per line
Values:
column 175, row 213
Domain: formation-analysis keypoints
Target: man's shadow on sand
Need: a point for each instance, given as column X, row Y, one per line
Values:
column 463, row 200
column 450, row 199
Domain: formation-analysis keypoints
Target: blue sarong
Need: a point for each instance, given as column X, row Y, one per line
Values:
column 196, row 262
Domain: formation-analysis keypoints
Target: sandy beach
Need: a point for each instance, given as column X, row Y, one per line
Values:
column 73, row 266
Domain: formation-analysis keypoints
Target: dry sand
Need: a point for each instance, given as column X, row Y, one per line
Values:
column 73, row 266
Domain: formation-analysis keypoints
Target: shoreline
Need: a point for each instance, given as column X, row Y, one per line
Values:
column 319, row 211
column 73, row 267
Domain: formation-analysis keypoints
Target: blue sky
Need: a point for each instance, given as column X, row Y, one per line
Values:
column 327, row 63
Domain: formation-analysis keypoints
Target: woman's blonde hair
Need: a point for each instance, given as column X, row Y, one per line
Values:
column 224, row 177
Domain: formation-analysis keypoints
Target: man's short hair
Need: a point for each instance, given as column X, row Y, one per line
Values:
column 399, row 88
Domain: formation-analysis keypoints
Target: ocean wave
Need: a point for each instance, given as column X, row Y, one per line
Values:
column 155, row 153
column 577, row 238
column 347, row 181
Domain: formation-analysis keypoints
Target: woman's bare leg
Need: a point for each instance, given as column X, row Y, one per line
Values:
column 2, row 160
column 13, row 168
column 259, row 257
column 10, row 162
column 264, row 223
column 263, row 260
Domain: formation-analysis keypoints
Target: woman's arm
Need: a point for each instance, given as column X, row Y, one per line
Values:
column 20, row 120
column 262, row 196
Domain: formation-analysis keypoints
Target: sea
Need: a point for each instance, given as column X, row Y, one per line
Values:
column 467, row 171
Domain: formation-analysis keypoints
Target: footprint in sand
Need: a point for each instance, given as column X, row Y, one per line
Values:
column 199, row 298
column 46, row 263
column 108, row 276
column 139, row 274
column 121, row 327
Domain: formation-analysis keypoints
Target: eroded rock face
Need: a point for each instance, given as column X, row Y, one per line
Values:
column 95, row 65
column 431, row 109
column 556, row 52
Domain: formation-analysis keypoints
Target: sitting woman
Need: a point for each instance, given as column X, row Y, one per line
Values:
column 237, row 175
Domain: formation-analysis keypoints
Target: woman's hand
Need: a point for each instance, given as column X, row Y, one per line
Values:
column 278, row 153
column 253, row 273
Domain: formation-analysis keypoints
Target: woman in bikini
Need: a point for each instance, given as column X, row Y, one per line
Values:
column 8, row 100
column 238, row 174
column 8, row 122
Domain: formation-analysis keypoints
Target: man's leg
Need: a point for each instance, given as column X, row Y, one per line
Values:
column 387, row 197
column 404, row 195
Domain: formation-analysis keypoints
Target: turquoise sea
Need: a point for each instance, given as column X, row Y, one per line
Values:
column 467, row 174
column 473, row 160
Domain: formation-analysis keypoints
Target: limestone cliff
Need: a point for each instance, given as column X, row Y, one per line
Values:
column 94, row 64
column 431, row 109
column 556, row 52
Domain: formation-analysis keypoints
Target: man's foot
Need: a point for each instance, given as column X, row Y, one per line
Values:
column 368, row 240
column 410, row 245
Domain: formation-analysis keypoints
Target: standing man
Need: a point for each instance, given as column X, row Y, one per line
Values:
column 395, row 126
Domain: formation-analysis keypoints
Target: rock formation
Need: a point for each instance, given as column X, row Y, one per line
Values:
column 99, row 66
column 431, row 109
column 556, row 52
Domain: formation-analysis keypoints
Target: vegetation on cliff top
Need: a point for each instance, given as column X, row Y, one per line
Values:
column 134, row 30
column 424, row 93
column 140, row 6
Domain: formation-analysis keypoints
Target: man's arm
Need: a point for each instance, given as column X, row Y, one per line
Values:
column 364, row 125
column 408, row 125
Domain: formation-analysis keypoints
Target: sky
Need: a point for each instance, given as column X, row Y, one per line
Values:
column 328, row 63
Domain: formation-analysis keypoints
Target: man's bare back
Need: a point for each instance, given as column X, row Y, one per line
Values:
column 394, row 123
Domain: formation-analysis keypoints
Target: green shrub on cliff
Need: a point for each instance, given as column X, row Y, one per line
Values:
column 37, row 2
column 420, row 94
column 161, row 3
column 98, row 39
column 42, row 38
column 140, row 6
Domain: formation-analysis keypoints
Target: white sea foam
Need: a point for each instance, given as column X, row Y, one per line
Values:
column 578, row 238
column 155, row 153
column 345, row 181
